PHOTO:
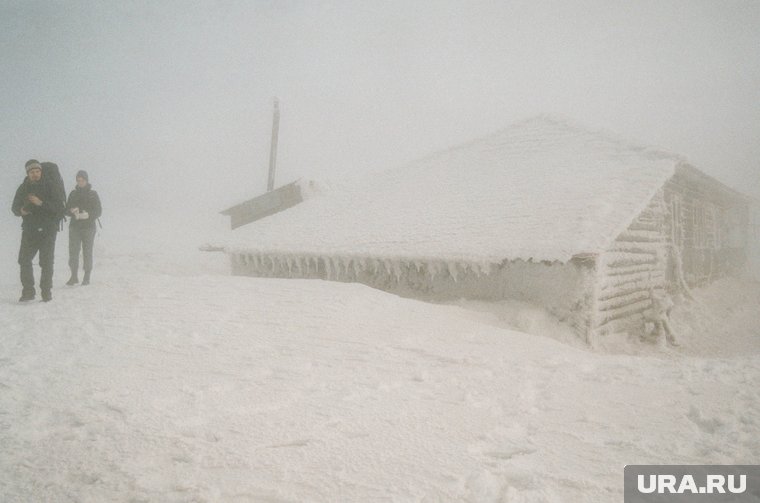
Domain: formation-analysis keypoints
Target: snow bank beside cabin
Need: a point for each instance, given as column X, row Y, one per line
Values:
column 722, row 320
column 565, row 290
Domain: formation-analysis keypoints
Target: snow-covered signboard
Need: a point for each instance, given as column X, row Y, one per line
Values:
column 264, row 205
column 587, row 225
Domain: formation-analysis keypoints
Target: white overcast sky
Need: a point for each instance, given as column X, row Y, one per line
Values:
column 177, row 95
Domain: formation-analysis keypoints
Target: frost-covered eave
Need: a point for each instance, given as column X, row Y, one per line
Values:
column 479, row 262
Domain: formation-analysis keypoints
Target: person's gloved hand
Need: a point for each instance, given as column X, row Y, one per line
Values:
column 83, row 215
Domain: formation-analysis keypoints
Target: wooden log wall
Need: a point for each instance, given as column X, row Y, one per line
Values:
column 628, row 272
column 694, row 229
column 707, row 226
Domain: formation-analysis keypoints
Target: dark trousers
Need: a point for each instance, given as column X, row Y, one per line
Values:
column 33, row 241
column 81, row 238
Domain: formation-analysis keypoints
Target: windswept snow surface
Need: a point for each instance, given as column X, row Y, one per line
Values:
column 542, row 189
column 167, row 380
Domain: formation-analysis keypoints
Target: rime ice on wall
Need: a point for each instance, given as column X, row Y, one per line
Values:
column 693, row 232
column 631, row 269
column 709, row 226
column 565, row 290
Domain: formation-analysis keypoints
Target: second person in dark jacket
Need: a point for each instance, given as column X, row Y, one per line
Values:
column 84, row 207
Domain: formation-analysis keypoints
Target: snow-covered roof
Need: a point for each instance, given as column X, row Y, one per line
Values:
column 542, row 189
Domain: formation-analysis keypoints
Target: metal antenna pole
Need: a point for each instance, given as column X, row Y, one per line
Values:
column 273, row 150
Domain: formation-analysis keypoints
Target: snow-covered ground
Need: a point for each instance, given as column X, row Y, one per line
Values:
column 169, row 380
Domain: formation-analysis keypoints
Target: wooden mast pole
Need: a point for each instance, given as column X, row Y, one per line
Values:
column 273, row 149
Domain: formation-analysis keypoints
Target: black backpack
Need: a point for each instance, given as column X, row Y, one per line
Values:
column 52, row 176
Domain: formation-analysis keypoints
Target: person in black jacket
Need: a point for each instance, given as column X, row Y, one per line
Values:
column 84, row 207
column 40, row 207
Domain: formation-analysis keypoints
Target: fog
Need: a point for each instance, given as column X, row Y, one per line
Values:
column 168, row 104
column 171, row 379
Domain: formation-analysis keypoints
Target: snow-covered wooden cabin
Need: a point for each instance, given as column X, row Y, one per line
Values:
column 579, row 222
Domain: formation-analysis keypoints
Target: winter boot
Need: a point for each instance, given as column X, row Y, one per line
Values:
column 26, row 297
column 47, row 295
column 86, row 279
column 73, row 280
